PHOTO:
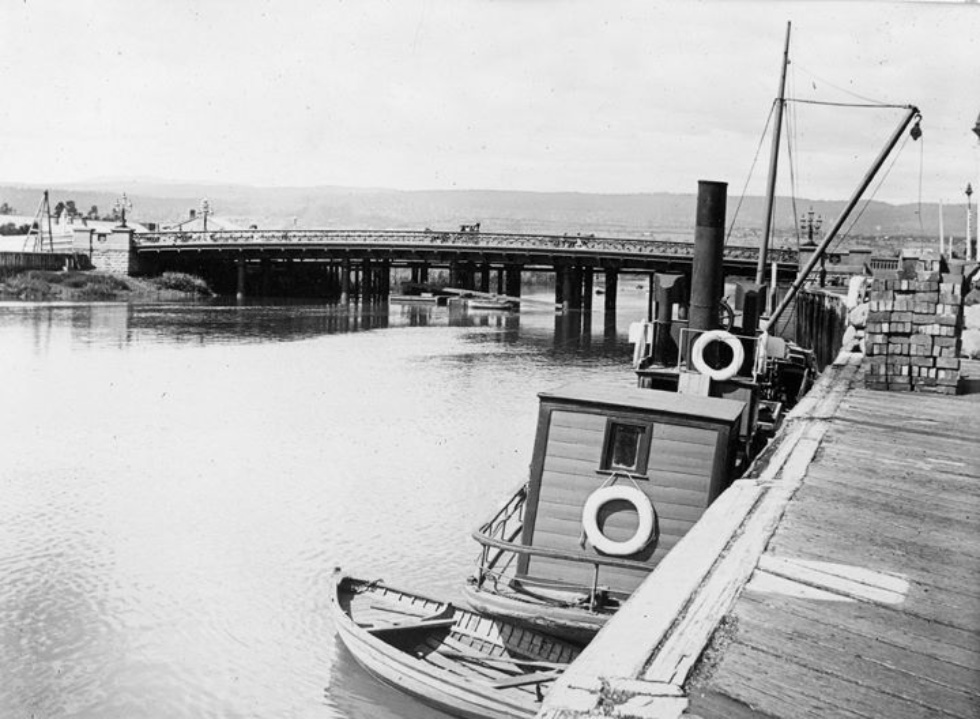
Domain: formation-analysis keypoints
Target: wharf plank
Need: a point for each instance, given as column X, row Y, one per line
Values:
column 927, row 567
column 930, row 494
column 850, row 510
column 784, row 688
column 918, row 679
column 915, row 645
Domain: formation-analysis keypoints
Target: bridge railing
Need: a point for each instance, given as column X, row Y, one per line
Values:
column 584, row 244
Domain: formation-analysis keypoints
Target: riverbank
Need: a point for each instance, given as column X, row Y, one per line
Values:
column 77, row 285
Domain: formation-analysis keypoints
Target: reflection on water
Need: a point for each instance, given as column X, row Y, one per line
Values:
column 180, row 480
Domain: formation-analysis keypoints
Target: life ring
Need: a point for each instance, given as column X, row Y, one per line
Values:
column 644, row 511
column 722, row 373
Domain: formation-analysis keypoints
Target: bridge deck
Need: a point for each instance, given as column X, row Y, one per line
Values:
column 409, row 245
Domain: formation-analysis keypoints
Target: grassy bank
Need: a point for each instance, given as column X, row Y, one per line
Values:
column 87, row 286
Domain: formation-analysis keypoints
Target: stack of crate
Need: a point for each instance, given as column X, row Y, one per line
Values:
column 915, row 320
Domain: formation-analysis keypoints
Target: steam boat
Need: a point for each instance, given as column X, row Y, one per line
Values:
column 619, row 476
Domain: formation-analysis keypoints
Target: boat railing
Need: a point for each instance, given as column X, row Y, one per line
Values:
column 504, row 526
column 500, row 547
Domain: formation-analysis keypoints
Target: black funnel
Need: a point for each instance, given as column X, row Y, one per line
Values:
column 707, row 273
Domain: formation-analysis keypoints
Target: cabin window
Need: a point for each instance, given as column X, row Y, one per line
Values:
column 625, row 448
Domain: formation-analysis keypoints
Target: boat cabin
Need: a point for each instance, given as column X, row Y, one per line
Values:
column 675, row 450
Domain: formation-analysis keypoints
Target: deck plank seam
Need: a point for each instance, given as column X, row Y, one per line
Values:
column 844, row 678
column 967, row 648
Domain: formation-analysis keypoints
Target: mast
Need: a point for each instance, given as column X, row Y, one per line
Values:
column 912, row 113
column 942, row 232
column 47, row 207
column 760, row 271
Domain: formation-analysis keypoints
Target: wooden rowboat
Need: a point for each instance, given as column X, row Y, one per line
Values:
column 456, row 660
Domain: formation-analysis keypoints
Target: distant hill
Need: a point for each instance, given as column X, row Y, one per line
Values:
column 658, row 215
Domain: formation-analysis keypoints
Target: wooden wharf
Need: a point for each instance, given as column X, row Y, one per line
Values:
column 839, row 578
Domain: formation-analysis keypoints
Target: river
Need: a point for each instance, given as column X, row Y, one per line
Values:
column 179, row 480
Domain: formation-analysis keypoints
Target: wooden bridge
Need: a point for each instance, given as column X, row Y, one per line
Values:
column 360, row 260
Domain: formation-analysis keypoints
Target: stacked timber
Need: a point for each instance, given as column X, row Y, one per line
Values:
column 913, row 331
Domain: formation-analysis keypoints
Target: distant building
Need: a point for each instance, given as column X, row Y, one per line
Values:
column 196, row 222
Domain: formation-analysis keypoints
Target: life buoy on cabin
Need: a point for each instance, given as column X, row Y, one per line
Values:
column 644, row 511
column 722, row 373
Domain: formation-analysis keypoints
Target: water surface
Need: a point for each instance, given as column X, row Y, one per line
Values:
column 179, row 481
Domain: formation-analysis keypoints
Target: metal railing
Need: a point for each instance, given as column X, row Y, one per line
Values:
column 429, row 238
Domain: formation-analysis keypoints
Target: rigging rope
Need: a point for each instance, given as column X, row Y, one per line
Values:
column 791, row 139
column 792, row 182
column 755, row 159
column 867, row 202
column 846, row 104
column 875, row 103
column 922, row 144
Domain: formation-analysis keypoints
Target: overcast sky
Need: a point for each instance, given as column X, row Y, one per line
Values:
column 515, row 94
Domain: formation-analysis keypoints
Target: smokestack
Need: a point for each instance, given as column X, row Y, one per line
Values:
column 707, row 273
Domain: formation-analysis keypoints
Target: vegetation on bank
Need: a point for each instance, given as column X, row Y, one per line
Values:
column 88, row 285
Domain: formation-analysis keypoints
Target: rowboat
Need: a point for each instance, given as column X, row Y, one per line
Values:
column 456, row 660
column 491, row 304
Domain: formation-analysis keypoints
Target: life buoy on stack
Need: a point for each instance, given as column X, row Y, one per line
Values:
column 722, row 373
column 644, row 511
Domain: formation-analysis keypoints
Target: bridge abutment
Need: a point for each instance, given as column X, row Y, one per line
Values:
column 112, row 252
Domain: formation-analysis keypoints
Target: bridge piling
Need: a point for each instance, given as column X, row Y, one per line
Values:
column 240, row 286
column 588, row 281
column 485, row 277
column 345, row 280
column 567, row 288
column 514, row 280
column 612, row 289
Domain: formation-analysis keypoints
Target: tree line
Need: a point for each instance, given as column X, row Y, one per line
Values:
column 66, row 208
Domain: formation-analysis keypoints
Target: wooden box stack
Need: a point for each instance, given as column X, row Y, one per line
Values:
column 915, row 321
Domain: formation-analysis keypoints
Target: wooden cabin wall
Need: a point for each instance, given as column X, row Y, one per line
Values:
column 683, row 463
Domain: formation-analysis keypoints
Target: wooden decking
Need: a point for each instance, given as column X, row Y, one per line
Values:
column 840, row 578
column 866, row 602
